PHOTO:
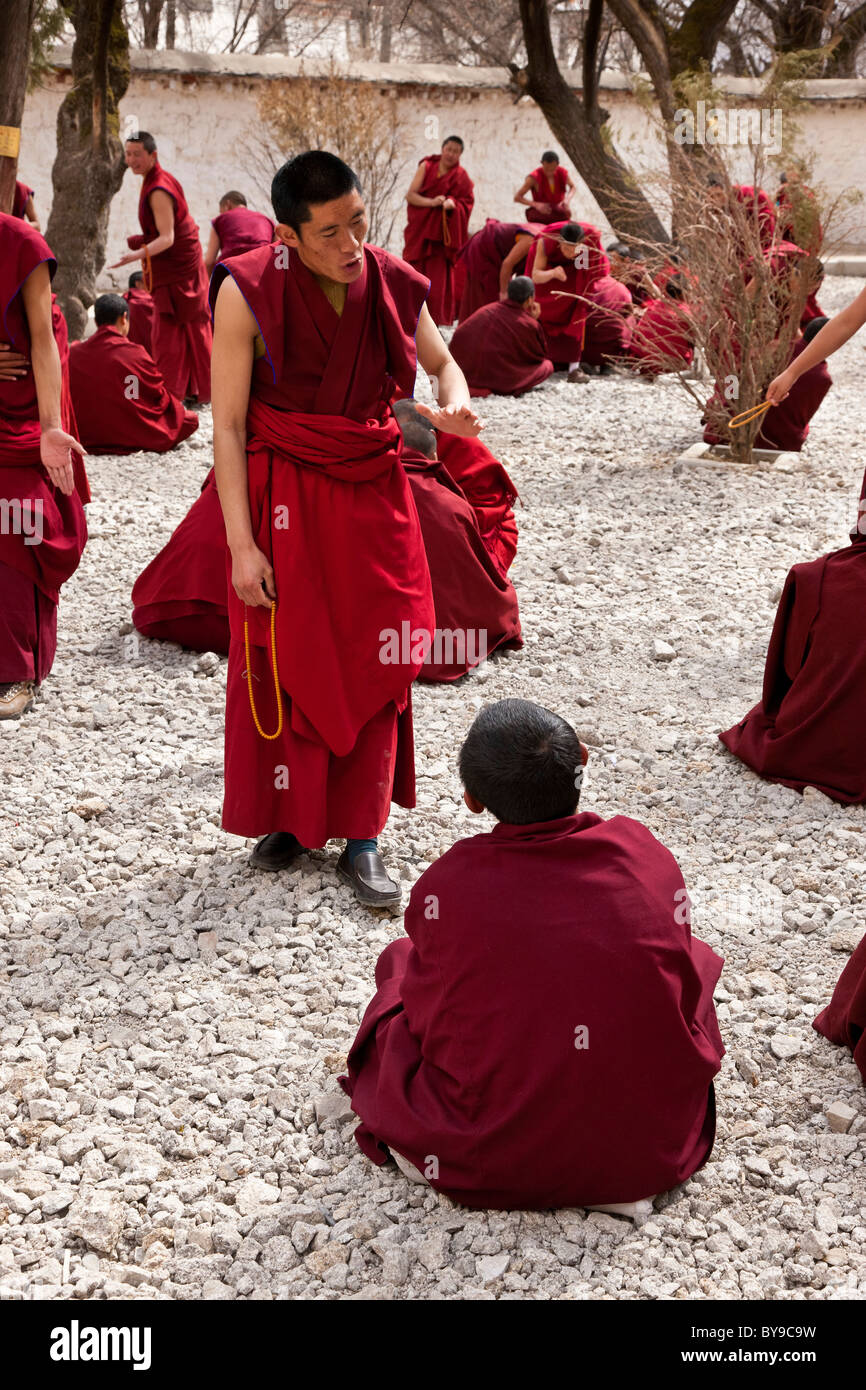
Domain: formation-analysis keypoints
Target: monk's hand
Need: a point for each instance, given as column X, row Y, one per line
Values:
column 438, row 201
column 448, row 204
column 558, row 273
column 253, row 577
column 126, row 260
column 780, row 386
column 452, row 419
column 12, row 364
column 54, row 450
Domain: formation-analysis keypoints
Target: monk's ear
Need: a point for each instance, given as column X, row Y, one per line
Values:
column 584, row 754
column 473, row 803
column 287, row 235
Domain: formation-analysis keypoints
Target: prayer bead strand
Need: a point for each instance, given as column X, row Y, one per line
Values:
column 277, row 691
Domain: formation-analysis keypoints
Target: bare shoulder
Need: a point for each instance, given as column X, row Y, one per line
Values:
column 232, row 314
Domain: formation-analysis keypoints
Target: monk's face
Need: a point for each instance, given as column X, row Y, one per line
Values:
column 569, row 249
column 137, row 157
column 717, row 196
column 451, row 153
column 550, row 167
column 332, row 242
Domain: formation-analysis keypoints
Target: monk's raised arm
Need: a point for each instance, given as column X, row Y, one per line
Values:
column 454, row 413
column 521, row 194
column 831, row 337
column 417, row 199
column 541, row 272
column 513, row 259
column 231, row 370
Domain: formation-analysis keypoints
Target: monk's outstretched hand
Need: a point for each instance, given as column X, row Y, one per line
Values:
column 253, row 578
column 780, row 386
column 54, row 451
column 452, row 419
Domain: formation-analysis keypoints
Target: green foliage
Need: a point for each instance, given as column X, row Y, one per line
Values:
column 48, row 26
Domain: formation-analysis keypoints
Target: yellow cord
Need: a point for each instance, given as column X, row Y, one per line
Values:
column 748, row 415
column 249, row 674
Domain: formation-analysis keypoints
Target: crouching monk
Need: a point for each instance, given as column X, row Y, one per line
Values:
column 844, row 1020
column 313, row 338
column 522, row 1068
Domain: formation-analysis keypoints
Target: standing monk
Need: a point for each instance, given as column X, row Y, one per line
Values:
column 170, row 246
column 313, row 337
column 440, row 198
column 547, row 192
column 42, row 480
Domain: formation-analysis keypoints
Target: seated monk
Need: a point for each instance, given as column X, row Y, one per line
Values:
column 661, row 341
column 547, row 192
column 501, row 348
column 786, row 426
column 23, row 205
column 609, row 324
column 490, row 492
column 141, row 312
column 475, row 605
column 120, row 400
column 43, row 485
column 627, row 264
column 182, row 596
column 844, row 1019
column 236, row 230
column 565, row 262
column 812, row 309
column 488, row 260
column 522, row 1068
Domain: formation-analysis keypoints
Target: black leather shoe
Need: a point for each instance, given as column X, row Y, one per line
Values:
column 276, row 851
column 369, row 878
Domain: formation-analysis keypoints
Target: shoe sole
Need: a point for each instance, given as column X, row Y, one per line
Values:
column 272, row 868
column 20, row 714
column 359, row 892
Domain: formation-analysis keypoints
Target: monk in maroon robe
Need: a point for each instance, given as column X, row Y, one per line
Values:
column 120, row 400
column 526, row 1061
column 236, row 230
column 547, row 192
column 329, row 580
column 142, row 312
column 23, row 205
column 844, row 1020
column 489, row 259
column 744, row 201
column 609, row 324
column 661, row 339
column 786, row 426
column 441, row 197
column 174, row 274
column 501, row 348
column 43, row 484
column 627, row 264
column 182, row 596
column 489, row 490
column 565, row 262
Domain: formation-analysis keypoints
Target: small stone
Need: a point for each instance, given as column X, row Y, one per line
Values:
column 746, row 1067
column 840, row 1116
column 91, row 806
column 662, row 651
column 335, row 1109
column 255, row 1193
column 783, row 1046
column 98, row 1219
column 489, row 1268
column 319, row 1168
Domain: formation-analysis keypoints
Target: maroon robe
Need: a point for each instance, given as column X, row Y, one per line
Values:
column 811, row 310
column 660, row 339
column 748, row 197
column 808, row 728
column 434, row 238
column 241, row 229
column 120, row 400
column 563, row 319
column 332, row 508
column 142, row 313
column 182, row 596
column 502, row 349
column 844, row 1019
column 475, row 605
column 609, row 322
column 543, row 191
column 182, row 335
column 19, row 200
column 785, row 426
column 532, row 1068
column 489, row 490
column 481, row 260
column 31, row 575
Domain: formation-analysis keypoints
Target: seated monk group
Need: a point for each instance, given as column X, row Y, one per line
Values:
column 121, row 401
column 513, row 1067
column 502, row 347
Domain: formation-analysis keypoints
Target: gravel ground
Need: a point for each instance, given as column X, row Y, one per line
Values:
column 174, row 1024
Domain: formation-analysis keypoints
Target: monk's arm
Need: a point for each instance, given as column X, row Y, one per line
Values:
column 213, row 250
column 54, row 443
column 831, row 337
column 541, row 273
column 454, row 413
column 523, row 193
column 231, row 370
column 30, row 213
column 416, row 199
column 513, row 259
column 162, row 208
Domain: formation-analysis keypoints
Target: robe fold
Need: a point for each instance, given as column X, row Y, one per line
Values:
column 501, row 349
column 120, row 400
column 488, row 489
column 182, row 336
column 481, row 261
column 752, row 199
column 563, row 319
column 182, row 595
column 241, row 230
column 545, row 190
column 562, row 1067
column 38, row 556
column 609, row 321
column 20, row 197
column 332, row 509
column 434, row 238
column 142, row 313
column 475, row 605
column 660, row 340
column 844, row 1020
column 807, row 728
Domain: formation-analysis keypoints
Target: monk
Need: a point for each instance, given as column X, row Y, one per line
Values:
column 182, row 595
column 23, row 205
column 844, row 1020
column 488, row 260
column 441, row 197
column 313, row 337
column 501, row 348
column 120, row 400
column 565, row 263
column 661, row 338
column 609, row 325
column 43, row 485
column 519, row 1060
column 475, row 605
column 141, row 312
column 756, row 206
column 237, row 229
column 627, row 264
column 547, row 192
column 487, row 487
column 170, row 247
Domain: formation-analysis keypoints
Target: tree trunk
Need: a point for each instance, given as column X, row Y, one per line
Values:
column 385, row 37
column 580, row 129
column 16, row 26
column 171, row 24
column 151, row 14
column 89, row 166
